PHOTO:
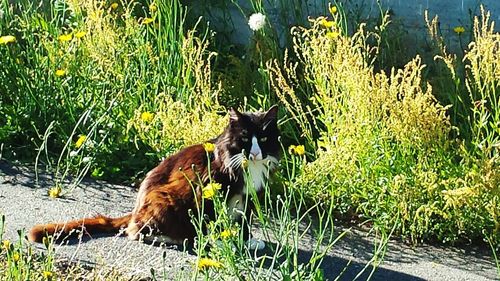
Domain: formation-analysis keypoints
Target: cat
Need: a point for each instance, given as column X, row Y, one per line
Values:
column 170, row 190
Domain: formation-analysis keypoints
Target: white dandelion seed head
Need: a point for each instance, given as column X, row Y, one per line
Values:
column 86, row 159
column 73, row 153
column 257, row 21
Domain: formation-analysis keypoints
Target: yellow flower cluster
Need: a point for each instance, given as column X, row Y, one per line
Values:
column 332, row 34
column 148, row 20
column 60, row 72
column 65, row 37
column 6, row 244
column 297, row 150
column 80, row 141
column 244, row 163
column 327, row 23
column 228, row 233
column 209, row 191
column 147, row 117
column 152, row 7
column 331, row 26
column 47, row 275
column 458, row 197
column 55, row 192
column 206, row 263
column 459, row 30
column 7, row 39
column 333, row 10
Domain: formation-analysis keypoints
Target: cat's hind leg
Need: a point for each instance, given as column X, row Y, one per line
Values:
column 160, row 215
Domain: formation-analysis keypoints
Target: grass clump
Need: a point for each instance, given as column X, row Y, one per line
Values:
column 18, row 262
column 89, row 69
column 382, row 142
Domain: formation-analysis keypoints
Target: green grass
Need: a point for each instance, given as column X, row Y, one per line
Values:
column 385, row 136
column 18, row 262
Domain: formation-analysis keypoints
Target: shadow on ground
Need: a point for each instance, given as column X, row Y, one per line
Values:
column 24, row 202
column 339, row 268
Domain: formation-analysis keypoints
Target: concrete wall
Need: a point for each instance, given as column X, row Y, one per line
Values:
column 408, row 13
column 451, row 12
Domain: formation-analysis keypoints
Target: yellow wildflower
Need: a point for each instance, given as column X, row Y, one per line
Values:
column 148, row 20
column 228, row 233
column 47, row 274
column 209, row 147
column 210, row 189
column 80, row 34
column 55, row 192
column 459, row 29
column 327, row 23
column 114, row 6
column 80, row 141
column 152, row 7
column 300, row 150
column 147, row 117
column 332, row 34
column 244, row 163
column 65, row 37
column 7, row 39
column 60, row 72
column 296, row 149
column 6, row 244
column 206, row 263
column 16, row 256
column 333, row 9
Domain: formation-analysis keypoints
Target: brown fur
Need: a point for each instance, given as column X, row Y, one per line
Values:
column 174, row 187
column 165, row 196
column 97, row 224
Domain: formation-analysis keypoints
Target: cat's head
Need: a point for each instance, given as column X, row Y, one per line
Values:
column 252, row 136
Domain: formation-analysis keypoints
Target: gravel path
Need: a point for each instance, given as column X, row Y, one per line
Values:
column 25, row 203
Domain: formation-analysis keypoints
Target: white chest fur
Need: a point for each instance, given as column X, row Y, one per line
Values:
column 259, row 173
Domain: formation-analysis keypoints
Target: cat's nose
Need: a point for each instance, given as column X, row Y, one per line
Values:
column 255, row 156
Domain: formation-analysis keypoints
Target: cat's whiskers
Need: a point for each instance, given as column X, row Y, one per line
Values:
column 236, row 161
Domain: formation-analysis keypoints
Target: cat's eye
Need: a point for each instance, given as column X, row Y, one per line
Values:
column 244, row 139
column 263, row 139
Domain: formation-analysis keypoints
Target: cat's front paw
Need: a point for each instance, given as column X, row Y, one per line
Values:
column 255, row 244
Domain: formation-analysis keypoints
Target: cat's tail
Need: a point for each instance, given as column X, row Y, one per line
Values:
column 97, row 224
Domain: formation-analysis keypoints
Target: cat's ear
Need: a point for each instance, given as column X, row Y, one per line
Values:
column 270, row 116
column 234, row 115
